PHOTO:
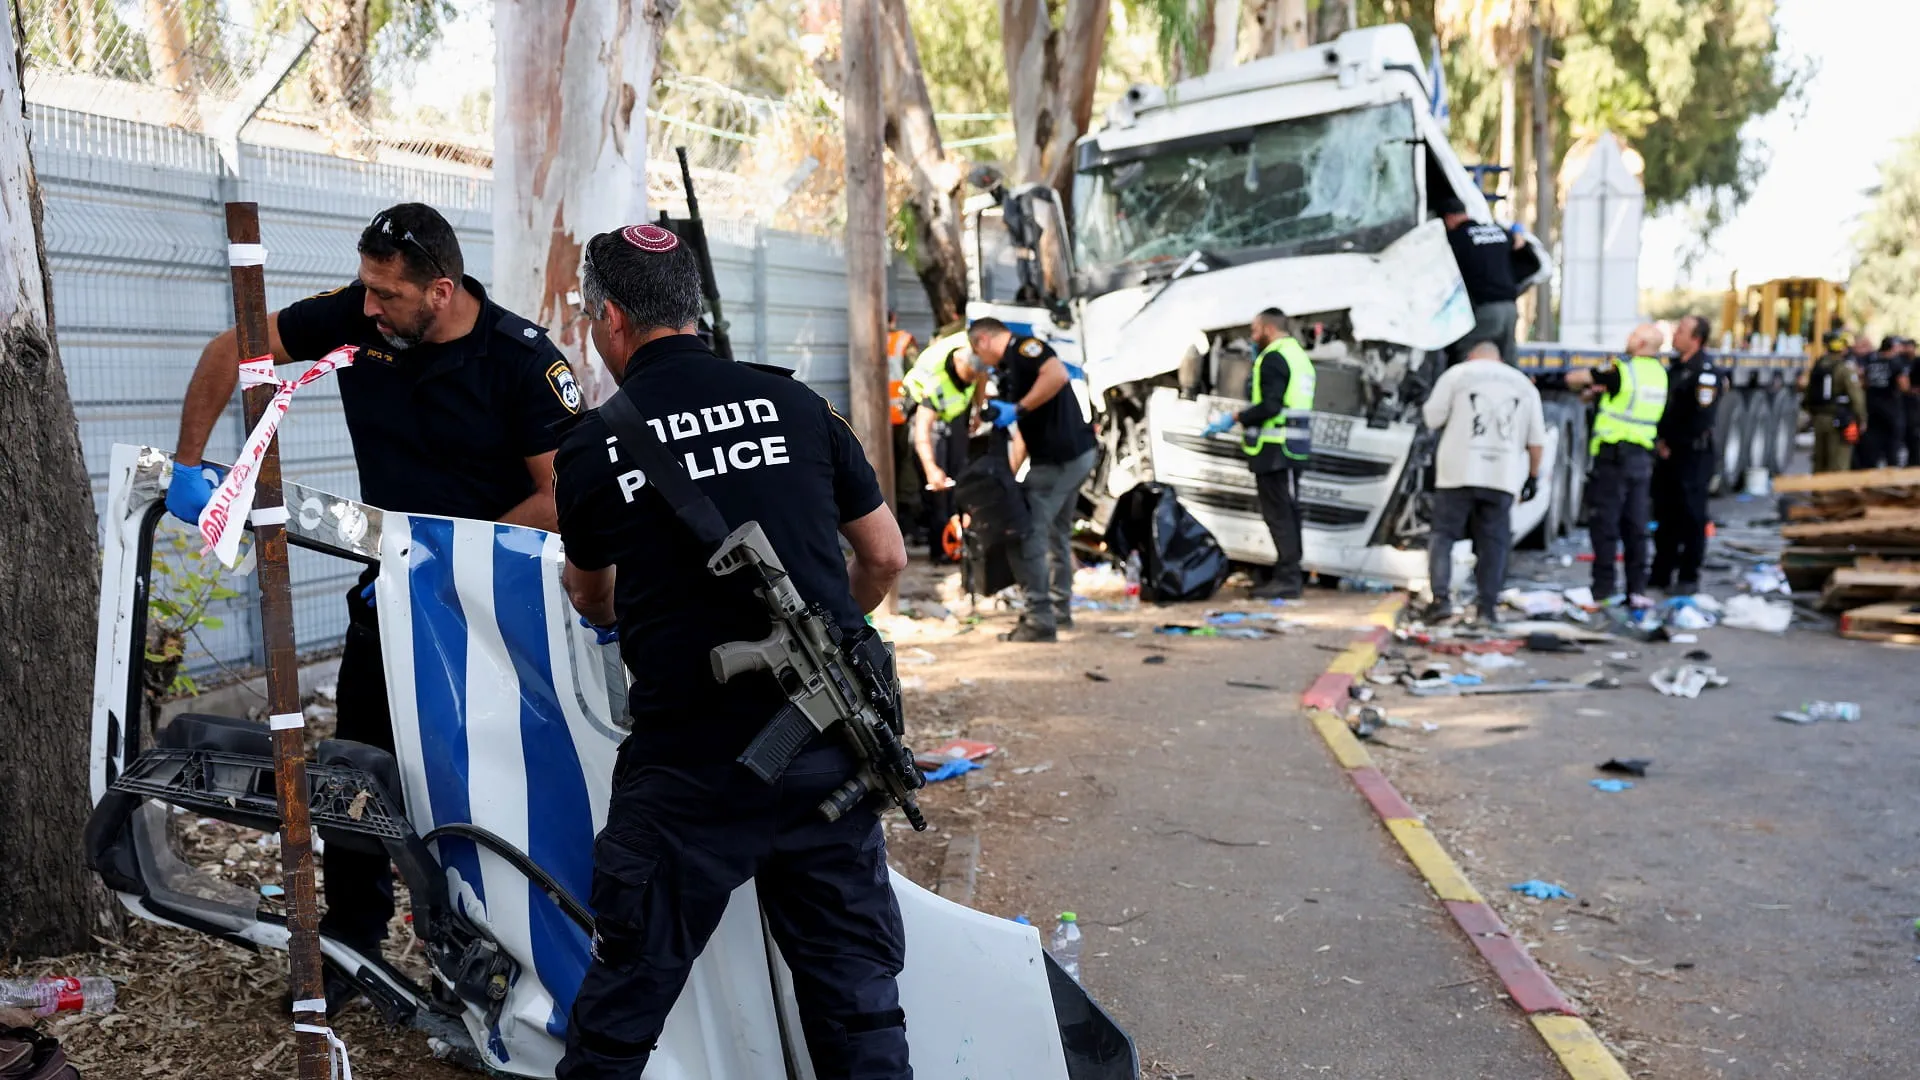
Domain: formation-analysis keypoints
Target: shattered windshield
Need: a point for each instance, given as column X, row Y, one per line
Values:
column 1334, row 182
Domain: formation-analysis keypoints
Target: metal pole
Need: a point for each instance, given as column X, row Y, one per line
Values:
column 866, row 238
column 283, row 675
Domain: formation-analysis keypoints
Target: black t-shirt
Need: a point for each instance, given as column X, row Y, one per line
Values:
column 1694, row 386
column 1055, row 432
column 1485, row 255
column 1879, row 378
column 764, row 448
column 440, row 428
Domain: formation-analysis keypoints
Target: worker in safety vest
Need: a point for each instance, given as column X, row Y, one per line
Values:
column 900, row 345
column 1833, row 400
column 907, row 502
column 1277, row 436
column 943, row 386
column 1626, row 427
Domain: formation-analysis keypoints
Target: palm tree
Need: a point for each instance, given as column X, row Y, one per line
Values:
column 1502, row 32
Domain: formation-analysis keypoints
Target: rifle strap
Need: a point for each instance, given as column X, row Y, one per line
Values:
column 663, row 471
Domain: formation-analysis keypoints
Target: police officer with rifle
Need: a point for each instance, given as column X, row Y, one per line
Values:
column 703, row 508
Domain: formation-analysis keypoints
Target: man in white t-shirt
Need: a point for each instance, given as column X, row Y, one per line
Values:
column 1491, row 436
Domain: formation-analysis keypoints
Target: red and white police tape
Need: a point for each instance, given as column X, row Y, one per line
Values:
column 225, row 515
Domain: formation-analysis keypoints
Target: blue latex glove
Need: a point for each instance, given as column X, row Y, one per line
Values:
column 1612, row 786
column 603, row 635
column 1541, row 890
column 367, row 594
column 1000, row 413
column 1220, row 426
column 190, row 489
column 951, row 769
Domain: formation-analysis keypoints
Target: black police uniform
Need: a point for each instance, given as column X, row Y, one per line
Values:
column 687, row 824
column 1062, row 448
column 1910, row 414
column 1886, row 412
column 440, row 428
column 1681, row 479
column 1484, row 252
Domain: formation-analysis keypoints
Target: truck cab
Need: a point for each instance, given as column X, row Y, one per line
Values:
column 1309, row 182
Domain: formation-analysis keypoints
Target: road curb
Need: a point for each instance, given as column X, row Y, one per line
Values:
column 1553, row 1014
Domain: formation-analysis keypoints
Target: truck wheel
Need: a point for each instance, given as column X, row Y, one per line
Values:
column 1786, row 424
column 1759, row 430
column 1729, row 426
column 1578, row 465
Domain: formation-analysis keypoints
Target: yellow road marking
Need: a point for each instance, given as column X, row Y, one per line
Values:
column 1432, row 861
column 1346, row 749
column 1580, row 1051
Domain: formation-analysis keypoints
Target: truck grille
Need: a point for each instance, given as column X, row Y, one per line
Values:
column 1326, row 515
column 1329, row 463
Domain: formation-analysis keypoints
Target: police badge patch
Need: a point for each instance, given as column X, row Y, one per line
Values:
column 1032, row 348
column 560, row 377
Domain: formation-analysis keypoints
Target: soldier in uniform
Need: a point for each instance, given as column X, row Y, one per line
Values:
column 451, row 404
column 1686, row 460
column 1832, row 398
column 687, row 824
column 1884, row 382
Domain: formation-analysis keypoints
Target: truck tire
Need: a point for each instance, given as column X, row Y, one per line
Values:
column 1729, row 436
column 1759, row 428
column 1785, row 425
column 1579, row 463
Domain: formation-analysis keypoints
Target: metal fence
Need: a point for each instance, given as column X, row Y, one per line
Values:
column 136, row 243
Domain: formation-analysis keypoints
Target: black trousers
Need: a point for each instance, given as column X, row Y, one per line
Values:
column 950, row 453
column 1618, row 501
column 359, row 885
column 679, row 840
column 1913, row 429
column 1483, row 515
column 1880, row 444
column 1680, row 506
column 1279, row 491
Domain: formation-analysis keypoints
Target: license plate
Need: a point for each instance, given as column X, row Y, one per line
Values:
column 1332, row 432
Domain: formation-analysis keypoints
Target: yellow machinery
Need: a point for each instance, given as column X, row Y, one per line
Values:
column 1783, row 315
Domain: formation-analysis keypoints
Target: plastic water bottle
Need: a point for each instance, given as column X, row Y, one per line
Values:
column 1066, row 944
column 91, row 994
column 1133, row 581
column 1844, row 711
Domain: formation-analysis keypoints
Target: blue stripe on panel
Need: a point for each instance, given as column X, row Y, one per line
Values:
column 440, row 680
column 559, row 817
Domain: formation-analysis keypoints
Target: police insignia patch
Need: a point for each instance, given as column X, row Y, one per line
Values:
column 560, row 377
column 1704, row 395
column 1032, row 349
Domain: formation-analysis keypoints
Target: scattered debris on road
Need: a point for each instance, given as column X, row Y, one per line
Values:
column 1612, row 787
column 1625, row 766
column 1540, row 890
column 1686, row 680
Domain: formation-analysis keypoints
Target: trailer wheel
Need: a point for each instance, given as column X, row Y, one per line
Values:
column 1728, row 434
column 1786, row 424
column 1759, row 433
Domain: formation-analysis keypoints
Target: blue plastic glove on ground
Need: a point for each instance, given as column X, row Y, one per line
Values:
column 1613, row 786
column 602, row 635
column 953, row 768
column 1000, row 413
column 1220, row 426
column 190, row 489
column 1541, row 890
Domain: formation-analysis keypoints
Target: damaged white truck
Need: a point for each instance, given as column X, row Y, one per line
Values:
column 1307, row 182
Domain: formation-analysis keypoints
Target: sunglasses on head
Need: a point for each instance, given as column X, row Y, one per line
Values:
column 385, row 224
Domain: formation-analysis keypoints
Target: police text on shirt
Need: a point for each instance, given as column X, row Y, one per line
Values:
column 712, row 460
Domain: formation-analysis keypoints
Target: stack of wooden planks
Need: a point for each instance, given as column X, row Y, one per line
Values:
column 1856, row 537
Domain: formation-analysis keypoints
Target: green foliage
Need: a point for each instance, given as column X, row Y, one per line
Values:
column 1887, row 246
column 753, row 48
column 407, row 27
column 1176, row 30
column 966, row 69
column 185, row 582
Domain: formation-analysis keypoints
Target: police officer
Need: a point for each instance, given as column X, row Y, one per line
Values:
column 1832, row 399
column 1884, row 382
column 1484, row 253
column 1050, row 431
column 451, row 404
column 942, row 386
column 1633, row 398
column 687, row 824
column 1686, row 460
column 1277, row 436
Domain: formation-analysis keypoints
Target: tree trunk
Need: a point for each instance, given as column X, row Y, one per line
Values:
column 865, row 121
column 569, row 152
column 49, row 901
column 342, row 85
column 915, row 141
column 1051, row 76
column 1545, row 202
column 1509, row 125
column 1224, row 49
column 1334, row 18
column 1283, row 26
column 168, row 49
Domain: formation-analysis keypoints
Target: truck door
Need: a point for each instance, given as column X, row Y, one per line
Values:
column 1019, row 271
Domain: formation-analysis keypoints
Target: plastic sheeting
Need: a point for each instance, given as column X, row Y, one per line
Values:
column 1179, row 558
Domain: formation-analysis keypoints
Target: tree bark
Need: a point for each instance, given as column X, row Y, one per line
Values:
column 1509, row 124
column 1225, row 46
column 49, row 901
column 915, row 141
column 342, row 85
column 569, row 153
column 1283, row 26
column 864, row 123
column 1335, row 17
column 1051, row 76
column 168, row 50
column 1546, row 200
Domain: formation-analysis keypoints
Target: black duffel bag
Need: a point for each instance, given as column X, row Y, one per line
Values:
column 1179, row 558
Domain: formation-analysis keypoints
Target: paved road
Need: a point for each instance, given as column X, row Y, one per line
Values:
column 1745, row 911
column 1246, row 914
